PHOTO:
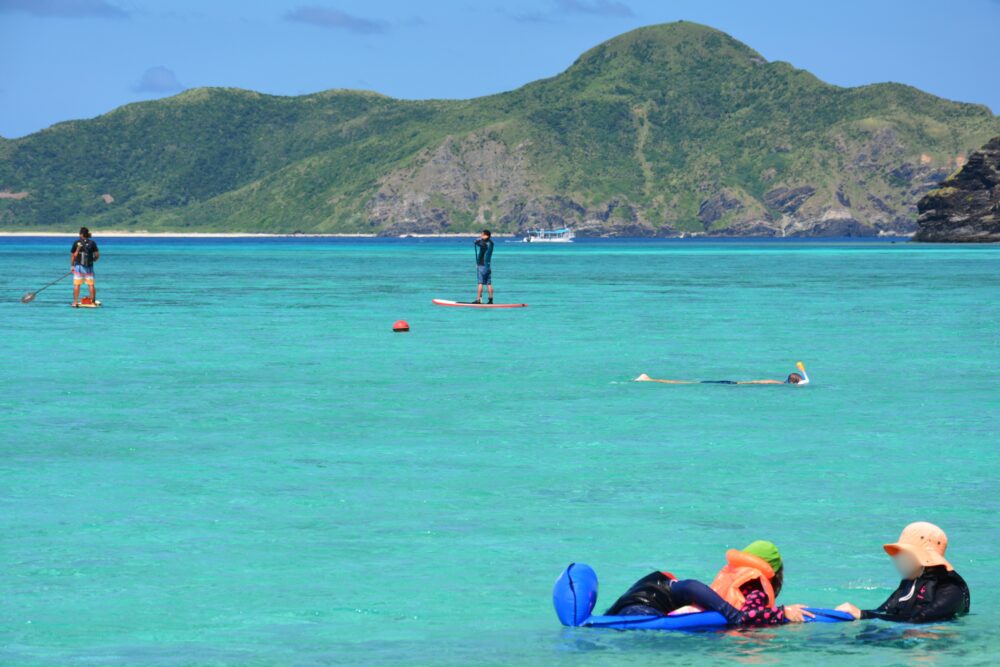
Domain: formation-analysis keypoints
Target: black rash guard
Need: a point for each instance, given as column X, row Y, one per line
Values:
column 936, row 595
column 484, row 252
column 85, row 249
column 651, row 591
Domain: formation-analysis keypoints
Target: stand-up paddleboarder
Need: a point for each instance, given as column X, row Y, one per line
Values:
column 81, row 258
column 484, row 253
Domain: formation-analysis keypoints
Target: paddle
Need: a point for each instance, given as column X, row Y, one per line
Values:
column 30, row 296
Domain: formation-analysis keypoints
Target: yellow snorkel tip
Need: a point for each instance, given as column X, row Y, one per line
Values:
column 801, row 366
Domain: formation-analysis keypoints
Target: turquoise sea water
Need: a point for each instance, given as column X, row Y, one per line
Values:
column 235, row 462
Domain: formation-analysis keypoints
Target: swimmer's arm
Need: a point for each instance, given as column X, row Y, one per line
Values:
column 693, row 592
column 646, row 378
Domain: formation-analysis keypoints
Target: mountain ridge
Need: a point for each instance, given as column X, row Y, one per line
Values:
column 673, row 129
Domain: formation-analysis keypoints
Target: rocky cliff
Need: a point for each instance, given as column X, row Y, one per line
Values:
column 966, row 208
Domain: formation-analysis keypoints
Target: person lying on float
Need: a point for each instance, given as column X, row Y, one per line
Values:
column 744, row 591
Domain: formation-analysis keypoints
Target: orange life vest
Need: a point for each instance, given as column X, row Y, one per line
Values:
column 742, row 568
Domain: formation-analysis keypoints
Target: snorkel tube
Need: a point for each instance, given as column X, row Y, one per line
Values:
column 802, row 370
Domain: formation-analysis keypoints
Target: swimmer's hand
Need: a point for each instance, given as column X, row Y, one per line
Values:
column 850, row 609
column 797, row 613
column 642, row 378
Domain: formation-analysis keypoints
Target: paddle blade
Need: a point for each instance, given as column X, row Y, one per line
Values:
column 28, row 298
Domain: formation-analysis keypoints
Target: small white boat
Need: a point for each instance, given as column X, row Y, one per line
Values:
column 564, row 235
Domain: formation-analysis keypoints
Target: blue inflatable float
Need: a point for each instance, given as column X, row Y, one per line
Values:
column 575, row 595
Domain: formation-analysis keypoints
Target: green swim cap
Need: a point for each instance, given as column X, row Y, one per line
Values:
column 766, row 551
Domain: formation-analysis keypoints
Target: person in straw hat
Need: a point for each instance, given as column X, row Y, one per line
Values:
column 931, row 590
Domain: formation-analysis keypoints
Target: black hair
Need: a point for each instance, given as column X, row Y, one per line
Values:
column 487, row 232
column 777, row 580
column 84, row 232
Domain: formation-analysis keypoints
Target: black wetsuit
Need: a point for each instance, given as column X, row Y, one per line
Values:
column 649, row 595
column 484, row 252
column 936, row 595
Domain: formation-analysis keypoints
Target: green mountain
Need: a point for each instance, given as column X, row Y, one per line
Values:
column 668, row 129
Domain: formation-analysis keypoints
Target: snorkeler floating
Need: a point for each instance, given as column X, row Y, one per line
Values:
column 798, row 377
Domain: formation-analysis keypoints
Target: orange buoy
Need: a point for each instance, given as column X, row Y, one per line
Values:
column 401, row 326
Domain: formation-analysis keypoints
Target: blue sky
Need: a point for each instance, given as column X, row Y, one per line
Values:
column 66, row 59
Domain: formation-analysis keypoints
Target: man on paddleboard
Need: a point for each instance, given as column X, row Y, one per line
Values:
column 81, row 259
column 484, row 252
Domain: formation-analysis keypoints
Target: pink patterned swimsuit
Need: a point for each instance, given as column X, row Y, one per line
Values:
column 757, row 612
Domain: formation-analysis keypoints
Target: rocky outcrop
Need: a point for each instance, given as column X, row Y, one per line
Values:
column 716, row 207
column 479, row 178
column 835, row 225
column 966, row 208
column 475, row 178
column 788, row 200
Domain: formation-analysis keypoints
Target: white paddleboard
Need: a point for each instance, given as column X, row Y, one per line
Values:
column 469, row 304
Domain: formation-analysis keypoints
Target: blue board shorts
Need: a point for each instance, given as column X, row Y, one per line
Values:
column 484, row 275
column 83, row 273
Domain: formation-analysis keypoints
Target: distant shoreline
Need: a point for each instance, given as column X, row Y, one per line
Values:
column 505, row 235
column 241, row 235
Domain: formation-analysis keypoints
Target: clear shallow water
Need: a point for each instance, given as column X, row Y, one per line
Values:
column 235, row 462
